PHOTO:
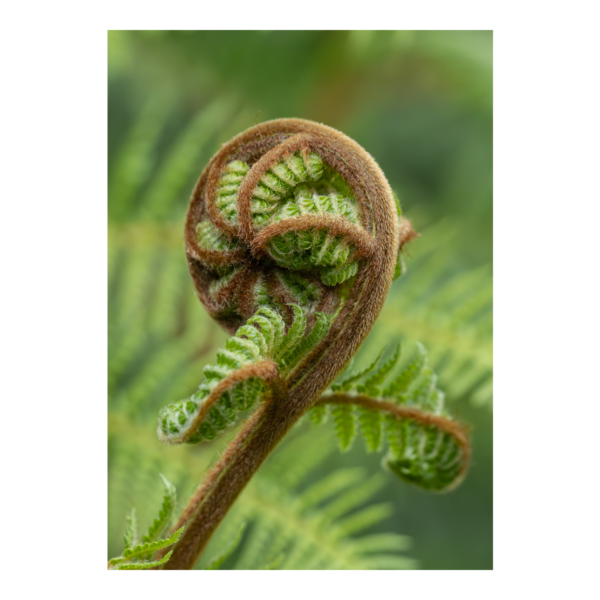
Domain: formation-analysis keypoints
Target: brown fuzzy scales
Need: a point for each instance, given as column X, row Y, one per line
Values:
column 376, row 242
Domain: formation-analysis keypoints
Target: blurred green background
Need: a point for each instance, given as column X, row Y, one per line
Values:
column 421, row 103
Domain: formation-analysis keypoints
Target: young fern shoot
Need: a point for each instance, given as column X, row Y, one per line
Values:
column 293, row 237
column 142, row 555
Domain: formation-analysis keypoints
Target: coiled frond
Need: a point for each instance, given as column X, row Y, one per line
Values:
column 275, row 234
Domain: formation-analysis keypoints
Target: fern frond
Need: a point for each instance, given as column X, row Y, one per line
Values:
column 449, row 309
column 139, row 555
column 231, row 386
column 178, row 170
column 167, row 509
column 352, row 498
column 315, row 527
column 135, row 159
column 216, row 562
column 329, row 487
column 426, row 447
column 259, row 352
column 365, row 518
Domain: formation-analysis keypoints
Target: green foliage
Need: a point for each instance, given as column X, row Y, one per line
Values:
column 139, row 555
column 345, row 425
column 298, row 186
column 216, row 562
column 210, row 238
column 297, row 522
column 370, row 384
column 262, row 338
column 130, row 537
column 143, row 565
column 399, row 386
column 165, row 515
column 433, row 142
column 428, row 453
column 370, row 428
column 448, row 309
column 347, row 383
column 148, row 548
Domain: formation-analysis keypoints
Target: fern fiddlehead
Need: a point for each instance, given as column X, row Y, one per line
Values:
column 293, row 237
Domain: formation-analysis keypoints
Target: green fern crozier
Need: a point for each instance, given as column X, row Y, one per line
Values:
column 293, row 237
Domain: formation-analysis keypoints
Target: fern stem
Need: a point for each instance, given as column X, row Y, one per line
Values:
column 227, row 479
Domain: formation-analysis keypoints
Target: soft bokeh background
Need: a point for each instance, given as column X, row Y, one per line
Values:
column 421, row 103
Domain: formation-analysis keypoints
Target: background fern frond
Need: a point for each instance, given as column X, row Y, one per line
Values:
column 180, row 165
column 311, row 526
column 217, row 561
column 448, row 308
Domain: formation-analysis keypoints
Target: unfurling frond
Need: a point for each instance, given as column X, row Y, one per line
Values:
column 425, row 446
column 139, row 555
column 260, row 352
